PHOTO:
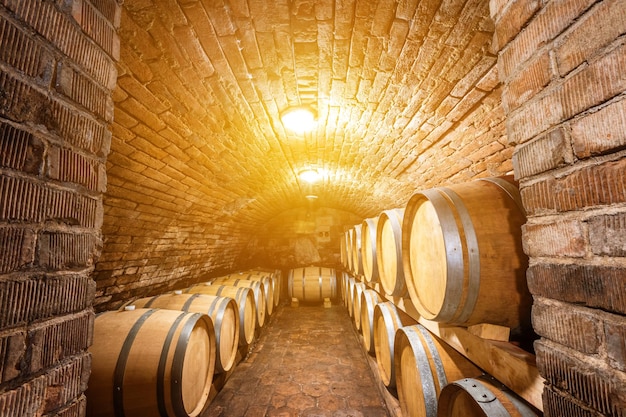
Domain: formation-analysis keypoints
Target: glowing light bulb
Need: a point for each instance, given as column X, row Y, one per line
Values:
column 309, row 175
column 299, row 120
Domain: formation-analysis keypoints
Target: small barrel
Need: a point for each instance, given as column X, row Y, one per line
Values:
column 267, row 283
column 245, row 303
column 389, row 252
column 258, row 289
column 312, row 284
column 368, row 250
column 424, row 365
column 359, row 287
column 463, row 256
column 357, row 260
column 386, row 323
column 481, row 397
column 369, row 299
column 151, row 362
column 222, row 310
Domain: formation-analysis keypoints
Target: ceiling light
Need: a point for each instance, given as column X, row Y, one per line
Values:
column 298, row 119
column 311, row 197
column 309, row 175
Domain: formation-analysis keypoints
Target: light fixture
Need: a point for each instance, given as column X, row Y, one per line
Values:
column 298, row 119
column 309, row 175
column 311, row 197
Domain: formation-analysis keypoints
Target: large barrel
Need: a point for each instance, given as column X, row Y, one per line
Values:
column 258, row 289
column 369, row 299
column 424, row 365
column 386, row 323
column 343, row 249
column 350, row 258
column 267, row 283
column 245, row 303
column 151, row 363
column 462, row 254
column 389, row 252
column 481, row 397
column 222, row 310
column 312, row 284
column 368, row 250
column 358, row 289
column 357, row 261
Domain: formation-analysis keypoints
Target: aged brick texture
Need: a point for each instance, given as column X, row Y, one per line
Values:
column 57, row 72
column 563, row 93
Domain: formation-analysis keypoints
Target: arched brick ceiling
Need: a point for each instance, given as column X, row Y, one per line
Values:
column 406, row 93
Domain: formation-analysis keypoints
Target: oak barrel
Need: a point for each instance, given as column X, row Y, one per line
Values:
column 268, row 283
column 462, row 254
column 312, row 283
column 386, row 323
column 151, row 363
column 389, row 252
column 368, row 250
column 343, row 249
column 258, row 289
column 481, row 397
column 245, row 303
column 350, row 295
column 350, row 258
column 369, row 299
column 424, row 364
column 357, row 261
column 358, row 289
column 222, row 310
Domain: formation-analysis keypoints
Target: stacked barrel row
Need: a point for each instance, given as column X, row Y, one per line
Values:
column 455, row 254
column 158, row 356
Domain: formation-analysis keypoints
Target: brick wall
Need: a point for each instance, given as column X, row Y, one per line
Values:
column 563, row 65
column 57, row 69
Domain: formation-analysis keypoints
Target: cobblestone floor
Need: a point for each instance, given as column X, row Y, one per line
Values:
column 306, row 362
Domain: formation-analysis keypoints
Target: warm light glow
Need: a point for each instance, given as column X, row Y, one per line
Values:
column 311, row 197
column 299, row 120
column 309, row 175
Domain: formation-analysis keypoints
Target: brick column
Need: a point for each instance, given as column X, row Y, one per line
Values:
column 563, row 64
column 57, row 71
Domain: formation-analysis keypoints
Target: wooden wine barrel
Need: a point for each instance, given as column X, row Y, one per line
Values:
column 259, row 290
column 245, row 303
column 357, row 261
column 312, row 284
column 343, row 249
column 150, row 363
column 345, row 277
column 386, row 323
column 359, row 287
column 369, row 299
column 481, row 397
column 368, row 250
column 424, row 364
column 267, row 283
column 349, row 250
column 350, row 295
column 222, row 310
column 389, row 252
column 463, row 257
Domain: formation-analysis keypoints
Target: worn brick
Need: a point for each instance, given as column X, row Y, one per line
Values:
column 592, row 185
column 549, row 151
column 572, row 327
column 12, row 351
column 17, row 249
column 556, row 404
column 530, row 80
column 615, row 336
column 20, row 150
column 600, row 132
column 595, row 286
column 607, row 234
column 562, row 238
column 59, row 251
column 55, row 340
column 598, row 388
column 24, row 400
column 512, row 19
column 594, row 30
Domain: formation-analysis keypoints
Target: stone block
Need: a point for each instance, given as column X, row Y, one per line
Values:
column 562, row 238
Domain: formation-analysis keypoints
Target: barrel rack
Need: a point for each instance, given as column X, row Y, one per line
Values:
column 509, row 364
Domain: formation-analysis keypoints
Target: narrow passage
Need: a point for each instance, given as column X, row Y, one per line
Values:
column 306, row 362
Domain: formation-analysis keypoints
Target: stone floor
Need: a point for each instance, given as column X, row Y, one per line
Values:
column 306, row 362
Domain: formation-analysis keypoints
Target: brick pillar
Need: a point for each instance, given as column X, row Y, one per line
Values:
column 563, row 63
column 57, row 72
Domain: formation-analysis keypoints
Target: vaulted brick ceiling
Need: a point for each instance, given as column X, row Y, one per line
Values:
column 406, row 94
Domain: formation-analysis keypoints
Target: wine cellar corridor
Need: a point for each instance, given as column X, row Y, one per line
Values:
column 201, row 198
